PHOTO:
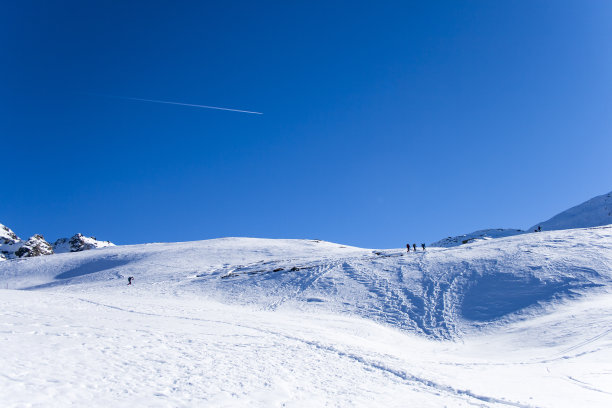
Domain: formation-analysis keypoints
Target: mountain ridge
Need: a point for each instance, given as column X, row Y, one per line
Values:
column 11, row 246
column 594, row 212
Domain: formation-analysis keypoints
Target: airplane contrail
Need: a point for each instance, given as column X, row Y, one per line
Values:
column 179, row 103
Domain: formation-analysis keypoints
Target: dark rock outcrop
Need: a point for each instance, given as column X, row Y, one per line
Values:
column 35, row 246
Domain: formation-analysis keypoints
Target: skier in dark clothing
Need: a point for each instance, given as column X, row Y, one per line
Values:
column 414, row 246
column 539, row 228
column 130, row 279
column 407, row 247
column 423, row 245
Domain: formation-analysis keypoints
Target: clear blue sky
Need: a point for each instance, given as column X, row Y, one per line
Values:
column 383, row 123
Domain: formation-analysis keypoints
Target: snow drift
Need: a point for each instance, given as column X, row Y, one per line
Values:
column 439, row 293
column 521, row 320
column 516, row 321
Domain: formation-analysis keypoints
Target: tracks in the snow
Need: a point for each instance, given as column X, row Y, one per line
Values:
column 381, row 286
column 368, row 362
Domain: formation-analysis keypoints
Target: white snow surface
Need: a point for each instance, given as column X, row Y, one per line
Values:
column 476, row 236
column 519, row 321
column 592, row 213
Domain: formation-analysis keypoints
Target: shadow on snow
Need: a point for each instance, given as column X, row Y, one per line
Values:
column 495, row 296
column 89, row 268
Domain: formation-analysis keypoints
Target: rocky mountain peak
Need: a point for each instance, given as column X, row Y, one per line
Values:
column 35, row 246
column 79, row 242
column 7, row 236
column 11, row 246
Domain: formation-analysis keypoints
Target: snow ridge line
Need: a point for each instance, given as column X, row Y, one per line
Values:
column 401, row 374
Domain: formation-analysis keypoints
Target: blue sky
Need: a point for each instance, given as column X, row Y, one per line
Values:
column 383, row 123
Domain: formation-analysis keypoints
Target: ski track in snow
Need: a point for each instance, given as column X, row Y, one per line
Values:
column 328, row 348
column 520, row 321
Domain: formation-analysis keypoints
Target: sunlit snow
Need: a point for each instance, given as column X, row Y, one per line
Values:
column 517, row 321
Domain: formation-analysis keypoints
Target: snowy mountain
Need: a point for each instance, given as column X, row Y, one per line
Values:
column 476, row 236
column 35, row 246
column 517, row 321
column 592, row 213
column 7, row 236
column 521, row 320
column 78, row 243
column 11, row 246
column 7, row 241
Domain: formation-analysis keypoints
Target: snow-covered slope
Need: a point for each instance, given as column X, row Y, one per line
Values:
column 592, row 213
column 517, row 321
column 439, row 293
column 476, row 236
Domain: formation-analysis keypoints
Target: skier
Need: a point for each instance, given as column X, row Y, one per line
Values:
column 423, row 245
column 130, row 279
column 539, row 228
column 414, row 246
column 407, row 247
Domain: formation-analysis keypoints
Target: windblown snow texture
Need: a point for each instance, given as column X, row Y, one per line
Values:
column 521, row 320
column 516, row 321
column 476, row 236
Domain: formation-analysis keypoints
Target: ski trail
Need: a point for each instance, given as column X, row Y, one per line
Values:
column 402, row 375
column 585, row 385
column 584, row 343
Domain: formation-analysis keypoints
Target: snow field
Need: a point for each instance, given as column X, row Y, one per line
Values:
column 517, row 321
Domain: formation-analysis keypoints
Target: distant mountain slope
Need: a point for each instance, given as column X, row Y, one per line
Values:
column 592, row 213
column 439, row 293
column 78, row 243
column 8, row 239
column 476, row 236
column 11, row 246
column 7, row 236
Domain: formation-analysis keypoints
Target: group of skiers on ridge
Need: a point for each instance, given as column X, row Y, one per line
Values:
column 539, row 229
column 414, row 246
